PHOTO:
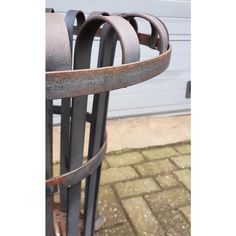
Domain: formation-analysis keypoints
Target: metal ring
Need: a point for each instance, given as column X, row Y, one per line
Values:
column 89, row 81
column 75, row 176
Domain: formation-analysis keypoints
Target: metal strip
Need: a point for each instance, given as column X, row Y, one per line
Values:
column 70, row 18
column 106, row 57
column 58, row 56
column 96, row 137
column 64, row 145
column 159, row 35
column 78, row 121
column 89, row 81
column 75, row 176
column 99, row 113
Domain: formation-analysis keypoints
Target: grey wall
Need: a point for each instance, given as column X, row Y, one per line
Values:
column 162, row 94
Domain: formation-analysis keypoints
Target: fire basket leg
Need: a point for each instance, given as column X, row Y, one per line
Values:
column 65, row 143
column 96, row 139
column 78, row 121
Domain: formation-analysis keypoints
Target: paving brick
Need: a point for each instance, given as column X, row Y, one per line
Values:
column 123, row 159
column 167, row 181
column 124, row 229
column 109, row 207
column 183, row 148
column 182, row 161
column 136, row 187
column 186, row 210
column 142, row 218
column 174, row 223
column 184, row 177
column 118, row 174
column 168, row 199
column 159, row 153
column 104, row 165
column 155, row 167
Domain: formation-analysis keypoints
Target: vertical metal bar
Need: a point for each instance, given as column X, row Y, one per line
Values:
column 96, row 138
column 78, row 121
column 65, row 142
column 98, row 125
column 49, row 167
column 70, row 17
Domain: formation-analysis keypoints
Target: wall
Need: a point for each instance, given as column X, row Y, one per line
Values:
column 162, row 94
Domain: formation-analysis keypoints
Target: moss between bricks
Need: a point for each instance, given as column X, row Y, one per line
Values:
column 155, row 182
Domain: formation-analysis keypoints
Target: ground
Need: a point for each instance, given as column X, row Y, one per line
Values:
column 145, row 183
column 146, row 191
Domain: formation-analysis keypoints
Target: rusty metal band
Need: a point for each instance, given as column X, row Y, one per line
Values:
column 89, row 81
column 75, row 176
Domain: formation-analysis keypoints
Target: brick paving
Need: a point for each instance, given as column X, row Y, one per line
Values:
column 146, row 191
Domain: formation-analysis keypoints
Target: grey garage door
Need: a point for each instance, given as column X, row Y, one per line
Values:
column 165, row 93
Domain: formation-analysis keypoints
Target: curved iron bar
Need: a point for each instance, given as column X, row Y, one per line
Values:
column 131, row 52
column 158, row 29
column 70, row 18
column 75, row 176
column 100, row 105
column 58, row 56
column 89, row 81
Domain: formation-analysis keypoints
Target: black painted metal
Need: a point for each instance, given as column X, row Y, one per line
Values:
column 66, row 218
column 70, row 18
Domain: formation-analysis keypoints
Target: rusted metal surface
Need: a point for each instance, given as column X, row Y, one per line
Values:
column 72, row 84
column 70, row 18
column 83, row 82
column 75, row 176
column 58, row 55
